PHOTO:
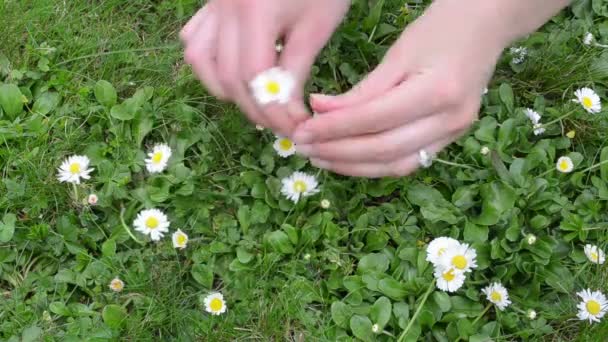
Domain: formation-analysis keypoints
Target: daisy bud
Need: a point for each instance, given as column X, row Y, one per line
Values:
column 531, row 314
column 325, row 203
column 485, row 150
column 117, row 285
column 530, row 239
column 375, row 328
column 92, row 199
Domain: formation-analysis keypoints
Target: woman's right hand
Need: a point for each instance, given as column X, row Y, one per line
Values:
column 229, row 42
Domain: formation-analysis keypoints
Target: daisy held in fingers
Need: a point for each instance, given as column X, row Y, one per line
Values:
column 272, row 85
column 116, row 285
column 589, row 99
column 498, row 295
column 158, row 158
column 284, row 147
column 299, row 185
column 593, row 306
column 152, row 222
column 595, row 254
column 73, row 169
column 215, row 304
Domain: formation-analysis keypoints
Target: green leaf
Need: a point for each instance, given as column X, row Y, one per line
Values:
column 506, row 96
column 374, row 16
column 46, row 103
column 497, row 199
column 392, row 288
column 125, row 111
column 203, row 275
column 381, row 312
column 373, row 263
column 114, row 316
column 59, row 308
column 244, row 217
column 105, row 93
column 604, row 166
column 474, row 233
column 361, row 327
column 442, row 300
column 108, row 249
column 341, row 313
column 243, row 255
column 11, row 99
column 31, row 334
column 279, row 241
column 402, row 313
column 7, row 227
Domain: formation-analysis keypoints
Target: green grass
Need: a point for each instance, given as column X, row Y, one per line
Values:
column 221, row 189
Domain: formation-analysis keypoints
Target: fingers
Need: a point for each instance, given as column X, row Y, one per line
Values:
column 385, row 146
column 192, row 25
column 398, row 168
column 418, row 96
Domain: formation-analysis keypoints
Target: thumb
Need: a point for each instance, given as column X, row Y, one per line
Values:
column 384, row 77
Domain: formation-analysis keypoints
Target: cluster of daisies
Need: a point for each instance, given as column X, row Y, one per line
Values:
column 452, row 260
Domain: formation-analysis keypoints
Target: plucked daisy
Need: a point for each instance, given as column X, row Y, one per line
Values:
column 588, row 39
column 425, row 159
column 259, row 127
column 152, row 222
column 284, row 147
column 595, row 254
column 116, row 285
column 73, row 169
column 439, row 246
column 460, row 257
column 215, row 304
column 535, row 119
column 519, row 54
column 92, row 199
column 593, row 306
column 564, row 164
column 180, row 239
column 589, row 99
column 498, row 295
column 158, row 158
column 272, row 85
column 298, row 185
column 448, row 279
column 325, row 203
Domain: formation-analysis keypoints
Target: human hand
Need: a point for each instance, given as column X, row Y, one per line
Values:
column 229, row 42
column 424, row 95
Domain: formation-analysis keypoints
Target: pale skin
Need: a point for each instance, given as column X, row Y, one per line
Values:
column 424, row 94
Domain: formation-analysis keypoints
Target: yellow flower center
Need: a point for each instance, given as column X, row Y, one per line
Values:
column 564, row 165
column 116, row 285
column 460, row 262
column 299, row 186
column 449, row 275
column 216, row 304
column 587, row 102
column 593, row 307
column 285, row 144
column 74, row 168
column 181, row 239
column 273, row 87
column 495, row 296
column 157, row 157
column 594, row 256
column 152, row 223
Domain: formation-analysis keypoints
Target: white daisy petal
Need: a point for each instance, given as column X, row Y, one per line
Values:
column 158, row 159
column 152, row 222
column 595, row 254
column 215, row 304
column 497, row 294
column 589, row 99
column 299, row 185
column 593, row 305
column 448, row 279
column 274, row 85
column 73, row 169
column 439, row 246
column 284, row 147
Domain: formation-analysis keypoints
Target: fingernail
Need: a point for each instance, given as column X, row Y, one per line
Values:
column 320, row 97
column 321, row 164
column 304, row 149
column 302, row 137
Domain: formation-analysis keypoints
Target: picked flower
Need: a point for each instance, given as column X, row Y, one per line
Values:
column 73, row 169
column 158, row 158
column 448, row 279
column 152, row 222
column 589, row 99
column 425, row 159
column 438, row 247
column 299, row 185
column 92, row 199
column 593, row 306
column 535, row 119
column 564, row 164
column 273, row 85
column 116, row 285
column 259, row 127
column 588, row 38
column 180, row 239
column 284, row 147
column 519, row 54
column 215, row 304
column 595, row 254
column 461, row 258
column 498, row 295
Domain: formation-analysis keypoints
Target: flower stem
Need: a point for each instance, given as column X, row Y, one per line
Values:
column 594, row 166
column 454, row 164
column 558, row 119
column 413, row 319
column 482, row 313
column 124, row 225
column 75, row 187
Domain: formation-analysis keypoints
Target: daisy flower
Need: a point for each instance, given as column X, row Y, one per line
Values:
column 588, row 39
column 116, row 285
column 519, row 54
column 73, row 169
column 180, row 239
column 531, row 239
column 564, row 164
column 272, row 85
column 484, row 150
column 589, row 99
column 284, row 147
column 461, row 258
column 152, row 222
column 535, row 119
column 375, row 328
column 425, row 159
column 498, row 295
column 593, row 305
column 448, row 279
column 325, row 203
column 594, row 254
column 298, row 185
column 92, row 199
column 259, row 127
column 215, row 304
column 158, row 158
column 439, row 246
column 531, row 314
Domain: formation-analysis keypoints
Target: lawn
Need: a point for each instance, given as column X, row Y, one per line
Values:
column 106, row 80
